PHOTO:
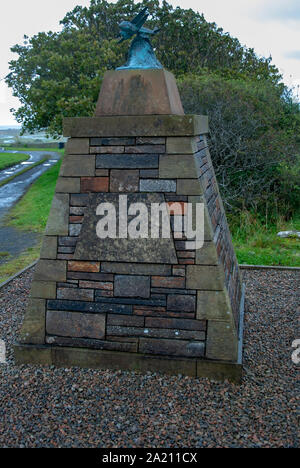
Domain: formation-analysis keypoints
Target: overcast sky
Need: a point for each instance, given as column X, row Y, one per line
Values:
column 271, row 27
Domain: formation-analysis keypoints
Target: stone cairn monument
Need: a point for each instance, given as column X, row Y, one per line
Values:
column 146, row 304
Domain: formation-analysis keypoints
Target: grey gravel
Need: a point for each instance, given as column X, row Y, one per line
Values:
column 48, row 407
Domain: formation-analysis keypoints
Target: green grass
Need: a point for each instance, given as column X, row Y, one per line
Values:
column 8, row 159
column 25, row 148
column 256, row 244
column 12, row 267
column 32, row 211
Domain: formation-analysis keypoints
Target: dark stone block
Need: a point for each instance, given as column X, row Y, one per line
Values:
column 126, row 161
column 92, row 344
column 67, row 241
column 172, row 347
column 125, row 320
column 112, row 141
column 173, row 291
column 132, row 286
column 76, row 325
column 177, row 323
column 78, row 275
column 158, row 301
column 156, row 333
column 185, row 303
column 149, row 173
column 81, row 199
column 92, row 307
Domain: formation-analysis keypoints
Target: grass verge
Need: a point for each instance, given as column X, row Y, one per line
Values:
column 12, row 267
column 8, row 159
column 257, row 244
column 26, row 148
column 32, row 211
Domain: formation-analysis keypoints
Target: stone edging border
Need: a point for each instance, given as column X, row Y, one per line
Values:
column 268, row 267
column 19, row 273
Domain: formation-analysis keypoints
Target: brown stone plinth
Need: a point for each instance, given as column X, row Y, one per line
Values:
column 139, row 92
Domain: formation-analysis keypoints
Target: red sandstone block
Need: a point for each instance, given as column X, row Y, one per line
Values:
column 186, row 254
column 167, row 282
column 94, row 184
column 186, row 261
column 160, row 312
column 96, row 285
column 177, row 208
column 75, row 219
column 93, row 267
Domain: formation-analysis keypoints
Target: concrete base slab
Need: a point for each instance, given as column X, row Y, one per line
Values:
column 98, row 359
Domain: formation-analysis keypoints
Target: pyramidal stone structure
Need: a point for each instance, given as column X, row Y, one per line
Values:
column 138, row 304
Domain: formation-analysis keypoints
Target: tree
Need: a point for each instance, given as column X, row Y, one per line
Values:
column 59, row 74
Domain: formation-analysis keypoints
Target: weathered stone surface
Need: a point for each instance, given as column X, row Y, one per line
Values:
column 132, row 286
column 177, row 323
column 80, row 199
column 68, row 185
column 126, row 161
column 131, row 126
column 92, row 344
column 51, row 270
column 139, row 92
column 75, row 294
column 96, row 285
column 94, row 184
column 179, row 166
column 156, row 333
column 102, row 173
column 92, row 267
column 222, row 343
column 158, row 300
column 220, row 371
column 189, row 187
column 58, row 221
column 93, row 307
column 136, row 269
column 112, row 141
column 152, row 185
column 167, row 282
column 213, row 305
column 173, row 291
column 146, row 149
column 78, row 275
column 124, row 181
column 34, row 355
column 185, row 303
column 146, row 250
column 150, row 141
column 76, row 325
column 207, row 255
column 74, row 229
column 205, row 278
column 33, row 328
column 149, row 173
column 43, row 289
column 172, row 347
column 125, row 320
column 181, row 145
column 78, row 166
column 49, row 248
column 106, row 149
column 77, row 146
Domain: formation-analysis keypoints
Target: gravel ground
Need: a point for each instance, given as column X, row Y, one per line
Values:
column 48, row 407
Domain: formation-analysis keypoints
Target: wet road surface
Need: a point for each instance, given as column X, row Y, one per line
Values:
column 11, row 240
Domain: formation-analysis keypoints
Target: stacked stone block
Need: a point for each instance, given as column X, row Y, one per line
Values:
column 183, row 306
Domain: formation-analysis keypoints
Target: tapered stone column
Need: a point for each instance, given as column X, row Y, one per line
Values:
column 139, row 304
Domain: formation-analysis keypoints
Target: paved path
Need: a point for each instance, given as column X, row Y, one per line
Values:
column 11, row 240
